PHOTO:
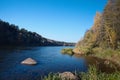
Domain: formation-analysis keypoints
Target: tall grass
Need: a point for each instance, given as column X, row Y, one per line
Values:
column 92, row 74
column 52, row 76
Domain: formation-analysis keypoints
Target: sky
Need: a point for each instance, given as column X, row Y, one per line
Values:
column 62, row 20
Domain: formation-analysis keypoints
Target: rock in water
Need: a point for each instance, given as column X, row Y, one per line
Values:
column 29, row 61
column 68, row 76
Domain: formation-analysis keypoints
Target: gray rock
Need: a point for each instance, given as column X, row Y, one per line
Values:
column 29, row 61
column 68, row 76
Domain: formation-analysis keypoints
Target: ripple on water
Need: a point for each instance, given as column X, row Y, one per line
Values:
column 49, row 60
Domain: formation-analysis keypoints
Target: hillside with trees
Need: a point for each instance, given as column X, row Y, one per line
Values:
column 105, row 32
column 11, row 35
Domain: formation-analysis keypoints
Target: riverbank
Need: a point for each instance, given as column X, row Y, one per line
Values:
column 92, row 74
column 106, row 55
column 104, row 65
column 109, row 54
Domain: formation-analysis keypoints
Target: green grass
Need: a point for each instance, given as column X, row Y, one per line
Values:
column 92, row 74
column 113, row 55
column 52, row 76
column 110, row 54
column 67, row 51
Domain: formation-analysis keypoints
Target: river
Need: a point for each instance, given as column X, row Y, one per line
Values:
column 49, row 60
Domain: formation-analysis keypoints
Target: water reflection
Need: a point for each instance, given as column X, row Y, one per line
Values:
column 102, row 65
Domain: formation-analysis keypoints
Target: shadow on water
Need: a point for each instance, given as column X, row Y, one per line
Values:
column 5, row 51
column 102, row 65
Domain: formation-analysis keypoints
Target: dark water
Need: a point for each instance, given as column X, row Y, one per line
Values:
column 49, row 60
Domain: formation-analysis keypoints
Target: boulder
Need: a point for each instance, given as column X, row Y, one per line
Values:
column 68, row 76
column 29, row 61
column 77, row 51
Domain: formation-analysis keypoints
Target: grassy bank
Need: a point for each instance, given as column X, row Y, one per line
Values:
column 113, row 55
column 107, row 53
column 92, row 74
column 108, row 57
column 68, row 51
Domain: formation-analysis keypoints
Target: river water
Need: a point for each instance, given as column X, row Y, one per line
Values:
column 49, row 60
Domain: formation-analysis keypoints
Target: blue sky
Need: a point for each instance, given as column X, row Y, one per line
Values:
column 62, row 20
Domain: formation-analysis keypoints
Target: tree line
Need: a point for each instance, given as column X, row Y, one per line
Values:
column 105, row 32
column 11, row 35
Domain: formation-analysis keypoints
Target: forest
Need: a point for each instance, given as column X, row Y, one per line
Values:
column 11, row 35
column 105, row 32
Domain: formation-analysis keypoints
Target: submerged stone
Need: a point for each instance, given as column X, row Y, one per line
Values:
column 29, row 61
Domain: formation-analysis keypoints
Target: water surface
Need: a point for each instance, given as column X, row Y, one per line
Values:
column 49, row 60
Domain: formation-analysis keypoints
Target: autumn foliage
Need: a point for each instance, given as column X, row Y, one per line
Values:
column 105, row 33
